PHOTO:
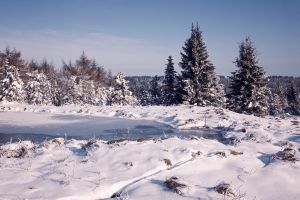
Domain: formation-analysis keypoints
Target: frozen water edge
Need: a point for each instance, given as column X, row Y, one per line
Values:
column 40, row 126
column 74, row 126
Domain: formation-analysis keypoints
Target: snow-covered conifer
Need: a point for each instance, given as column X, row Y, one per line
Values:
column 248, row 87
column 11, row 86
column 169, row 91
column 199, row 84
column 38, row 89
column 102, row 96
column 121, row 94
column 73, row 91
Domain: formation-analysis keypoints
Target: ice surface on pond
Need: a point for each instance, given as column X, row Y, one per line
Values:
column 39, row 126
column 77, row 126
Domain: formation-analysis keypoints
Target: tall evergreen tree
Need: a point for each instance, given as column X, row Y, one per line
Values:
column 169, row 92
column 248, row 87
column 199, row 84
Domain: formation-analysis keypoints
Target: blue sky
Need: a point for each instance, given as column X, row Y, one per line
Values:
column 137, row 36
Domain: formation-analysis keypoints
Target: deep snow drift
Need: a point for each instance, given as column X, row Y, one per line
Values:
column 257, row 157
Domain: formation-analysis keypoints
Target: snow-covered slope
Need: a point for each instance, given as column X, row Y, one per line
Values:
column 80, row 169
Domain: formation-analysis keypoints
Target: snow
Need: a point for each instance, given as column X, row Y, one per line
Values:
column 81, row 169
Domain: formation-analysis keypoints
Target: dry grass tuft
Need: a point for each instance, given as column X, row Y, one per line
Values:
column 116, row 141
column 58, row 141
column 90, row 144
column 173, row 184
column 288, row 154
column 129, row 164
column 20, row 152
column 236, row 153
column 144, row 139
column 193, row 137
column 225, row 189
column 196, row 154
column 167, row 162
column 221, row 154
column 296, row 123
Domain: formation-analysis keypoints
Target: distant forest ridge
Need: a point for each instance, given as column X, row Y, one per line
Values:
column 145, row 81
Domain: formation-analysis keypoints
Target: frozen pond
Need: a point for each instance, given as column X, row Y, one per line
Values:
column 39, row 126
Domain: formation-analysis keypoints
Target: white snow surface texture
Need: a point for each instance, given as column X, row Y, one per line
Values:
column 80, row 169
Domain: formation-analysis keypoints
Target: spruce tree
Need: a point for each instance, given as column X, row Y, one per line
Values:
column 11, row 86
column 248, row 88
column 169, row 92
column 103, row 96
column 72, row 92
column 199, row 84
column 38, row 89
column 121, row 94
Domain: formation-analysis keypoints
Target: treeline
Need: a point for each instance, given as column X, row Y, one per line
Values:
column 248, row 89
column 81, row 82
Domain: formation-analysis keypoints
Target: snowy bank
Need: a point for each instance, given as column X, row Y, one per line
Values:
column 262, row 163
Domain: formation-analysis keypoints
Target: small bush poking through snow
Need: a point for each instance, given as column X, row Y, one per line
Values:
column 225, row 189
column 173, row 184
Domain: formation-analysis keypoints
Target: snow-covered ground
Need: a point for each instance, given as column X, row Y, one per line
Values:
column 245, row 156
